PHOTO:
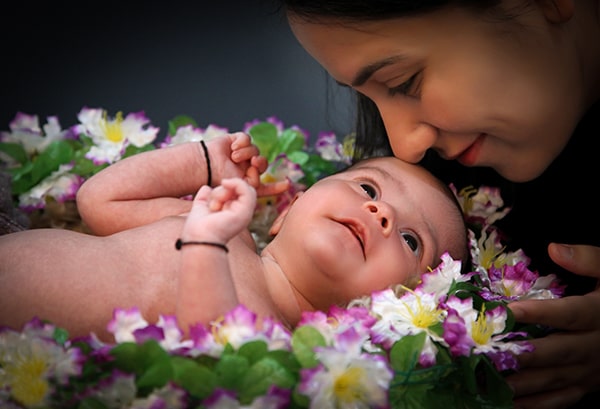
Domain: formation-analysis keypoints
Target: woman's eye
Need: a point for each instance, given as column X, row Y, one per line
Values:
column 412, row 241
column 407, row 88
column 369, row 190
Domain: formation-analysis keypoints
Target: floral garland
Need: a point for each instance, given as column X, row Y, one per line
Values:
column 449, row 341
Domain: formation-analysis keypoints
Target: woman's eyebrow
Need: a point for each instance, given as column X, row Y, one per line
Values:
column 366, row 72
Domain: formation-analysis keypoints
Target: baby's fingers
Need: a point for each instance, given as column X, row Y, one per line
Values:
column 203, row 194
column 243, row 154
column 219, row 196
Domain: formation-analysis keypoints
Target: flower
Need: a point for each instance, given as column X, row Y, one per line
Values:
column 30, row 360
column 346, row 377
column 451, row 336
column 112, row 135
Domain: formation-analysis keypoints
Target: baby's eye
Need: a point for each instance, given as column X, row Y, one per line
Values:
column 369, row 190
column 411, row 241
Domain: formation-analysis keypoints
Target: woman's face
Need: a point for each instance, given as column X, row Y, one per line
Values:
column 505, row 94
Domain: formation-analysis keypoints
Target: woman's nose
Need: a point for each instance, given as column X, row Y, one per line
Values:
column 408, row 134
column 411, row 145
column 383, row 215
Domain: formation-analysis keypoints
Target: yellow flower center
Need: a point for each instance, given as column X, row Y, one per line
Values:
column 467, row 194
column 113, row 129
column 28, row 385
column 216, row 329
column 348, row 146
column 481, row 331
column 424, row 316
column 348, row 386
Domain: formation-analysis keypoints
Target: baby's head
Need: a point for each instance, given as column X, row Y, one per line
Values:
column 379, row 223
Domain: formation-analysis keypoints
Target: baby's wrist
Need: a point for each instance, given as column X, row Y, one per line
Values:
column 209, row 178
column 180, row 243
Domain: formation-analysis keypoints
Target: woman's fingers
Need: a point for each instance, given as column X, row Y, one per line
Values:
column 578, row 259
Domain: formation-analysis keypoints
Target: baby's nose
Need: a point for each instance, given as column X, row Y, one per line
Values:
column 383, row 214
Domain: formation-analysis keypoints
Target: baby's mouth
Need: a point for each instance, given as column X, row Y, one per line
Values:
column 354, row 230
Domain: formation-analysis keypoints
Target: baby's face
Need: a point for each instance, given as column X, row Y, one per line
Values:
column 381, row 223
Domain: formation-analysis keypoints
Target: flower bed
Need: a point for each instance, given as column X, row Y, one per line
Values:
column 447, row 342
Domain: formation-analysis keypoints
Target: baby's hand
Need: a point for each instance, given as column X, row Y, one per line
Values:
column 236, row 156
column 220, row 213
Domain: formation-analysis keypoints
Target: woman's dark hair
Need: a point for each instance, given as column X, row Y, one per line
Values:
column 364, row 10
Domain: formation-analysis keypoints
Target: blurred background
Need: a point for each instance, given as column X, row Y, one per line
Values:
column 222, row 62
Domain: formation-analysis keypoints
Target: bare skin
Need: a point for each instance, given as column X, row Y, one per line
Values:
column 395, row 222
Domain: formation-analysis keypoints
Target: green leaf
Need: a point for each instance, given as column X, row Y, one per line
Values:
column 409, row 396
column 48, row 161
column 299, row 157
column 131, row 150
column 492, row 388
column 253, row 351
column 230, row 370
column 60, row 335
column 157, row 375
column 404, row 355
column 286, row 359
column 85, row 167
column 198, row 380
column 290, row 140
column 264, row 136
column 15, row 151
column 264, row 373
column 315, row 168
column 137, row 358
column 304, row 340
column 178, row 122
column 91, row 403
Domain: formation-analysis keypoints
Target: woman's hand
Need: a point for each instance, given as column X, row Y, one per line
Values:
column 565, row 365
column 237, row 156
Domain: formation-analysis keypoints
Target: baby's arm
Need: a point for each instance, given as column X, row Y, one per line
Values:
column 149, row 186
column 206, row 287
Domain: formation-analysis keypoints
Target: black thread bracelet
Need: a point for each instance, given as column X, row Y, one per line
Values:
column 208, row 169
column 180, row 243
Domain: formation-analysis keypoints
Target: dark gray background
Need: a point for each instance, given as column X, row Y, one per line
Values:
column 223, row 62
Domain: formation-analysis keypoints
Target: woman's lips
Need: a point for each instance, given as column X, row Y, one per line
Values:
column 469, row 156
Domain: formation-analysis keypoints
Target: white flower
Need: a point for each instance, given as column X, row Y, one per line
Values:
column 485, row 328
column 167, row 397
column 27, row 362
column 25, row 130
column 112, row 135
column 189, row 133
column 484, row 204
column 172, row 334
column 439, row 280
column 60, row 185
column 124, row 324
column 118, row 391
column 411, row 314
column 347, row 377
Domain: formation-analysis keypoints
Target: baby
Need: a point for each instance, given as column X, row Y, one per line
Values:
column 378, row 223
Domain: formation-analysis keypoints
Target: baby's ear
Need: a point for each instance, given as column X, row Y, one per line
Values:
column 276, row 226
column 557, row 11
